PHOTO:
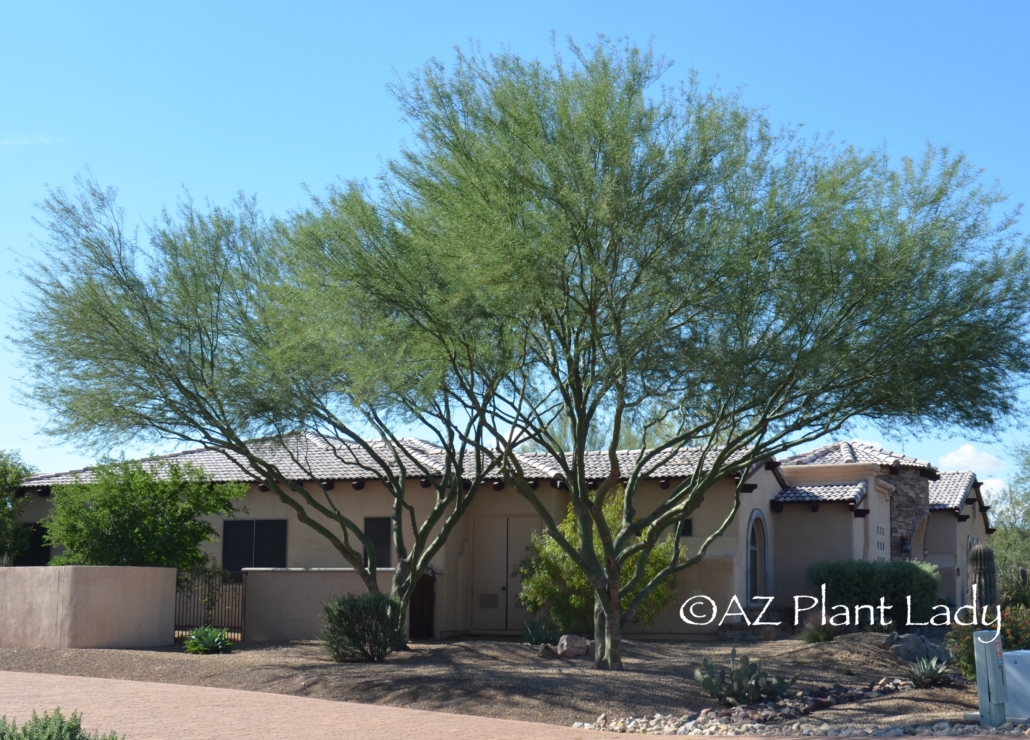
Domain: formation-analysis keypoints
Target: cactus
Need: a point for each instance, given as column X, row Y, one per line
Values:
column 982, row 574
column 747, row 684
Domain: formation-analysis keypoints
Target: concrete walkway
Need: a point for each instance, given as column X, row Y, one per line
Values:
column 159, row 711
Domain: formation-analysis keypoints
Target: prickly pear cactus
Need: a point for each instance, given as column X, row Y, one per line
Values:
column 982, row 575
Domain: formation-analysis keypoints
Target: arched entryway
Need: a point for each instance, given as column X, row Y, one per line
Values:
column 757, row 557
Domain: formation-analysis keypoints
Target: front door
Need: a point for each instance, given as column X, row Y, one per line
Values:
column 498, row 545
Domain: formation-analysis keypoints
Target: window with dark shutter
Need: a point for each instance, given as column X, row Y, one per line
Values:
column 377, row 529
column 688, row 528
column 254, row 544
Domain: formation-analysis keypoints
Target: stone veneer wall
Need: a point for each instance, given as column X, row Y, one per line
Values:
column 910, row 502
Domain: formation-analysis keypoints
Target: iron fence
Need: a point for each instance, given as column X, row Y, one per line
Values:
column 209, row 598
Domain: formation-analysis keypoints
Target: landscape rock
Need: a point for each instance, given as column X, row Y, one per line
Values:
column 572, row 646
column 913, row 647
column 548, row 651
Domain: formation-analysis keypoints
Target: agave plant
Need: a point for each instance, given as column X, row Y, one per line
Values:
column 540, row 632
column 929, row 672
column 205, row 640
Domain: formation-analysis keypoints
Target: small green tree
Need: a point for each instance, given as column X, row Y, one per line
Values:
column 131, row 513
column 555, row 586
column 13, row 536
column 1010, row 516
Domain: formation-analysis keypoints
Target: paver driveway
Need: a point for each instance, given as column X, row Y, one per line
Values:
column 157, row 711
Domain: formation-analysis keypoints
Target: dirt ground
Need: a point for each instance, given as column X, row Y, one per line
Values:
column 506, row 679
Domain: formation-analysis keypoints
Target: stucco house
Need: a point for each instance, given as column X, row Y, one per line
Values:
column 845, row 500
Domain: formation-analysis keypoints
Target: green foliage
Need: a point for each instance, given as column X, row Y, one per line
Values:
column 1015, row 635
column 928, row 672
column 13, row 536
column 1010, row 517
column 50, row 727
column 982, row 574
column 136, row 513
column 818, row 632
column 540, row 632
column 864, row 582
column 208, row 640
column 1016, row 590
column 553, row 584
column 362, row 627
column 746, row 682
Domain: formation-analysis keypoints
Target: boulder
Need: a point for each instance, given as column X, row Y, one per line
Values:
column 889, row 640
column 912, row 647
column 572, row 646
column 548, row 651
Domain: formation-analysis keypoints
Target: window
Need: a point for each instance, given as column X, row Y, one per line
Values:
column 688, row 528
column 756, row 565
column 254, row 543
column 377, row 529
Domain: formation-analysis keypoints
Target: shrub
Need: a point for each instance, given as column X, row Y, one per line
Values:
column 1015, row 635
column 853, row 582
column 208, row 640
column 927, row 672
column 131, row 513
column 817, row 632
column 1015, row 590
column 13, row 536
column 50, row 727
column 363, row 627
column 746, row 682
column 540, row 632
column 553, row 585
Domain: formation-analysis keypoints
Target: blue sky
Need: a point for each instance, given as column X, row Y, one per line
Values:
column 267, row 97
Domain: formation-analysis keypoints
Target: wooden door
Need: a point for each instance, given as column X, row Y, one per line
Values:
column 489, row 577
column 520, row 530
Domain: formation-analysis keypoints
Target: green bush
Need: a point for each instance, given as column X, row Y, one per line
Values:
column 1015, row 590
column 928, row 672
column 555, row 587
column 855, row 582
column 540, row 632
column 363, row 627
column 131, row 513
column 50, row 727
column 818, row 632
column 746, row 682
column 1015, row 635
column 208, row 640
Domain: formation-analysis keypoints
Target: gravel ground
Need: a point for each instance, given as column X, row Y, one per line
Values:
column 506, row 679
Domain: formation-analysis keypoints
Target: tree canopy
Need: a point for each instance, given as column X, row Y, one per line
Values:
column 664, row 257
column 568, row 249
column 13, row 536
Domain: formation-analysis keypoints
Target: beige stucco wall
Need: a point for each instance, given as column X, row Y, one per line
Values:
column 87, row 607
column 948, row 542
column 287, row 604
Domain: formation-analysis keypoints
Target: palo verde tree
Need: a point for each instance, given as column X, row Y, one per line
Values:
column 663, row 257
column 196, row 335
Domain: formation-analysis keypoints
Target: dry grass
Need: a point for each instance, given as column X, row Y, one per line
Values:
column 505, row 679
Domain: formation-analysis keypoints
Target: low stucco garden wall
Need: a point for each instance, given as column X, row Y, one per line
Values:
column 286, row 603
column 79, row 606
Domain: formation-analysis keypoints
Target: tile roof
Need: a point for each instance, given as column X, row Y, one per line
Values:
column 854, row 452
column 310, row 457
column 818, row 492
column 951, row 490
column 678, row 464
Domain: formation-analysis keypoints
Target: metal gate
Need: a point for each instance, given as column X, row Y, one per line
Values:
column 209, row 598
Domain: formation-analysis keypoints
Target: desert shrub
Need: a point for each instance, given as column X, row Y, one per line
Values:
column 555, row 587
column 877, row 628
column 362, row 627
column 1015, row 635
column 50, row 727
column 131, row 513
column 928, row 672
column 540, row 632
column 818, row 632
column 1015, row 589
column 853, row 582
column 208, row 640
column 746, row 682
